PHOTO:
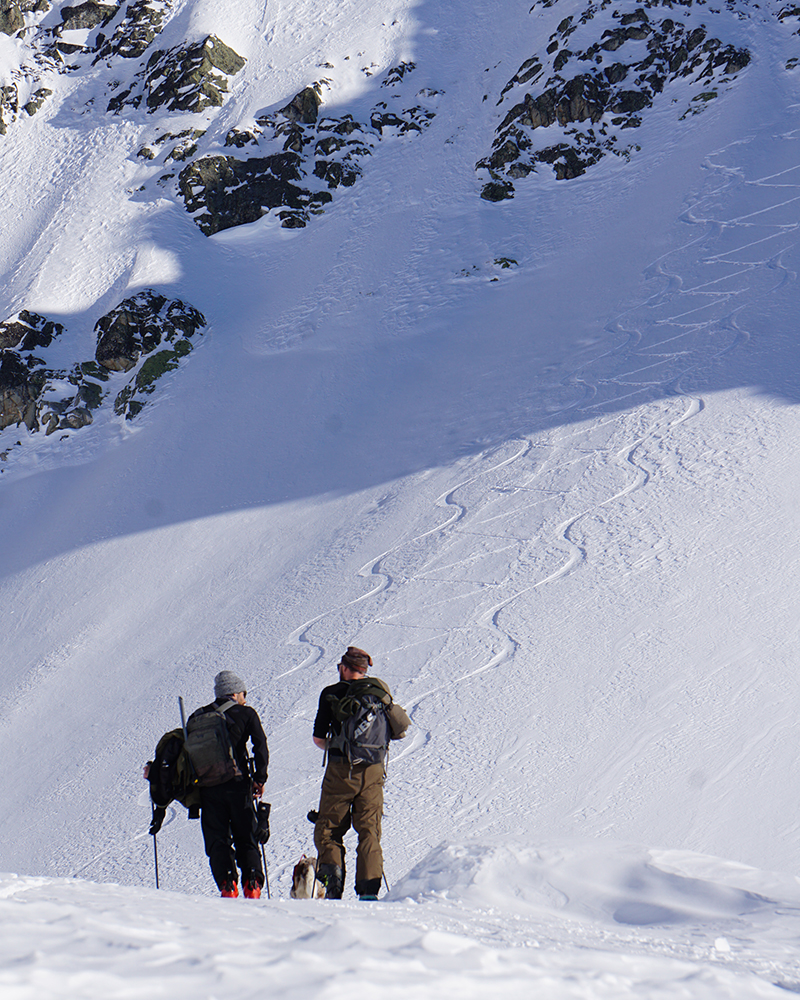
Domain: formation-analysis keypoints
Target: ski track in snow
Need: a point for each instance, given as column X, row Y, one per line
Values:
column 459, row 593
column 718, row 311
column 664, row 346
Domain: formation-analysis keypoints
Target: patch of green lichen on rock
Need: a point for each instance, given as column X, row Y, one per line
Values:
column 45, row 397
column 134, row 331
column 159, row 364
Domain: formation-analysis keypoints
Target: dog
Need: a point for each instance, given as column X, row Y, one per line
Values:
column 304, row 880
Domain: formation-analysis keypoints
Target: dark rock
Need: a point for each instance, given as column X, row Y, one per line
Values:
column 9, row 106
column 86, row 15
column 37, row 100
column 183, row 78
column 561, row 60
column 119, row 344
column 396, row 73
column 11, row 19
column 737, row 60
column 142, row 22
column 694, row 38
column 29, row 331
column 497, row 191
column 227, row 191
column 637, row 15
column 79, row 417
column 130, row 332
column 304, row 107
column 138, row 325
column 240, row 138
column 336, row 173
column 19, row 390
column 629, row 101
column 615, row 73
column 234, row 192
column 670, row 52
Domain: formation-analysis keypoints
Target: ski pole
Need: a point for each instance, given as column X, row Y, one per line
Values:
column 155, row 846
column 266, row 871
column 385, row 881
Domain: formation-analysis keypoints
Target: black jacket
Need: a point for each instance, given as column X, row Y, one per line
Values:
column 324, row 723
column 244, row 724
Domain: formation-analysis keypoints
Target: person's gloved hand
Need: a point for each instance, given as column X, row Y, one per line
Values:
column 158, row 818
column 262, row 822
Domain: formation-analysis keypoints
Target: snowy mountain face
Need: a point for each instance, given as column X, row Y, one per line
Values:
column 462, row 333
column 601, row 69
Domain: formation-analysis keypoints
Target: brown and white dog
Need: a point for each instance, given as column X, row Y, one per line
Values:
column 304, row 880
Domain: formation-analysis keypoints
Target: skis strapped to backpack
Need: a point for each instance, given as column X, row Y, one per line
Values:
column 208, row 744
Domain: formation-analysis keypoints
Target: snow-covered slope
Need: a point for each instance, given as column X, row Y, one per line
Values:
column 470, row 921
column 538, row 455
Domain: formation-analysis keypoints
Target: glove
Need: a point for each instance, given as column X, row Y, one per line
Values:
column 258, row 789
column 262, row 822
column 312, row 816
column 158, row 818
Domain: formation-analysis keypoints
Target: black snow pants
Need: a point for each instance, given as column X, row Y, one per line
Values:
column 228, row 820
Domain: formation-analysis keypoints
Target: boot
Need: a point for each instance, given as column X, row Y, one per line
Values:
column 368, row 888
column 230, row 890
column 332, row 877
column 252, row 890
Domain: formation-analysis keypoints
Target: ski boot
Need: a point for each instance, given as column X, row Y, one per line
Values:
column 332, row 877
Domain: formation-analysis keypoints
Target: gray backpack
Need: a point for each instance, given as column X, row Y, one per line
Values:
column 208, row 743
column 364, row 732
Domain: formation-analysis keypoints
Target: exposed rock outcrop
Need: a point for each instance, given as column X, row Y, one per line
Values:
column 133, row 331
column 615, row 78
column 295, row 158
column 86, row 15
column 186, row 78
column 230, row 192
column 11, row 19
column 146, row 335
column 12, row 11
column 9, row 106
column 142, row 22
column 23, row 373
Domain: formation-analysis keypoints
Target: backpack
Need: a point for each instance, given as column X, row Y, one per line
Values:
column 170, row 773
column 208, row 744
column 364, row 730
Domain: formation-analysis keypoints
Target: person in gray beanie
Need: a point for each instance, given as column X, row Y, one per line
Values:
column 227, row 812
column 226, row 682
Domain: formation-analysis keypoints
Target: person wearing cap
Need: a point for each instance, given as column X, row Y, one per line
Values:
column 351, row 794
column 227, row 815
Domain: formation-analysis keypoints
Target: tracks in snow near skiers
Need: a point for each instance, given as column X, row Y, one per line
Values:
column 632, row 398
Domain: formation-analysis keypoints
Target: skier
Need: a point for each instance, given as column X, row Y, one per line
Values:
column 352, row 791
column 228, row 814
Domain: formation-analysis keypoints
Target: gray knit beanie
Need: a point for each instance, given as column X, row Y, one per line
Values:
column 226, row 682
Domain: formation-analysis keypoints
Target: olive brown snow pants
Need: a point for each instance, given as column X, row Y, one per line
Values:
column 359, row 788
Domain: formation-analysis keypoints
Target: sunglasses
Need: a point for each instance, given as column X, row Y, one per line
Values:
column 353, row 670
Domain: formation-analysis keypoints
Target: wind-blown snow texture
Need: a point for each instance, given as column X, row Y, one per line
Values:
column 539, row 457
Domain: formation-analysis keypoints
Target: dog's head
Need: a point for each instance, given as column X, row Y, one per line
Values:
column 304, row 880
